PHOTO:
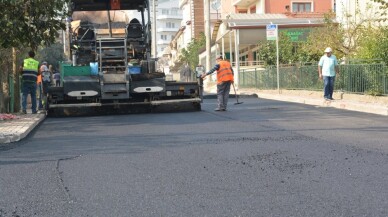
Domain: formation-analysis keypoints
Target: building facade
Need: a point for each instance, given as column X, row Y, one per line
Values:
column 192, row 25
column 237, row 25
column 168, row 22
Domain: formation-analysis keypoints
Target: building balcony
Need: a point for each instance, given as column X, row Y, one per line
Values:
column 305, row 14
column 169, row 17
column 161, row 41
column 247, row 64
column 165, row 29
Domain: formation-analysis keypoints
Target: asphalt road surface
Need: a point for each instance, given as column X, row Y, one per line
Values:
column 260, row 158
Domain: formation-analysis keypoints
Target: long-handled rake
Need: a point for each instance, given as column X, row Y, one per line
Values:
column 235, row 93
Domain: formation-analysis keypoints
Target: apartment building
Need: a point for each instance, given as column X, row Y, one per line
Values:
column 238, row 25
column 192, row 25
column 168, row 22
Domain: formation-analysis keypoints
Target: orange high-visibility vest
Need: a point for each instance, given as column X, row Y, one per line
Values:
column 224, row 73
column 39, row 79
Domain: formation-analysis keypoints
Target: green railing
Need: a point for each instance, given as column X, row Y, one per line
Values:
column 355, row 78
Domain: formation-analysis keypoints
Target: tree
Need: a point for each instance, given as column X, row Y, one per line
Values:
column 374, row 44
column 267, row 50
column 52, row 54
column 5, row 69
column 333, row 35
column 344, row 37
column 29, row 23
column 190, row 55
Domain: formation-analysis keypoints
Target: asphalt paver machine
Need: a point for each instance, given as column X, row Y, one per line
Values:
column 112, row 70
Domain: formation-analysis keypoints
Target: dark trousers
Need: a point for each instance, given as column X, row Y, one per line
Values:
column 29, row 88
column 40, row 90
column 223, row 90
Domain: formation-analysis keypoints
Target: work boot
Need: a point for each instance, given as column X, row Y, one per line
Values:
column 24, row 112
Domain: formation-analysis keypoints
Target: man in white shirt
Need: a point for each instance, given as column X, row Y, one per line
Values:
column 328, row 69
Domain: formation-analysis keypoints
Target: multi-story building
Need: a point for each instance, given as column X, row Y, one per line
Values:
column 238, row 25
column 168, row 22
column 281, row 6
column 192, row 25
column 244, row 24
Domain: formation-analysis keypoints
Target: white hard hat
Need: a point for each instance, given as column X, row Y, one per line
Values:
column 328, row 50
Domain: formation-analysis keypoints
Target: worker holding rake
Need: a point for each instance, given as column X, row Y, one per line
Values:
column 225, row 78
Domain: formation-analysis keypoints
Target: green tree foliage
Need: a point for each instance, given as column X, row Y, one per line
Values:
column 330, row 35
column 374, row 44
column 5, row 69
column 190, row 54
column 31, row 23
column 267, row 50
column 52, row 54
column 25, row 25
column 345, row 37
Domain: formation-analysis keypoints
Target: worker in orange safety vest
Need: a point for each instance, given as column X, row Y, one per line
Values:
column 225, row 77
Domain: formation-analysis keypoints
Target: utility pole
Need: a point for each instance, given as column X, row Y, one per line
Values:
column 154, row 50
column 207, row 33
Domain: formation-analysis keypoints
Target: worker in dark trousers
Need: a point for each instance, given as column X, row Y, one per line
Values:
column 225, row 77
column 29, row 78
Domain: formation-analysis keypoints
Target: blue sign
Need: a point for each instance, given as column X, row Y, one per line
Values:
column 272, row 32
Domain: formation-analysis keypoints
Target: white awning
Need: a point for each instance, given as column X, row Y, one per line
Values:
column 252, row 27
column 235, row 21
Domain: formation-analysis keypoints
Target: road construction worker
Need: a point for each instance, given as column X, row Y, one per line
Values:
column 29, row 79
column 39, row 89
column 46, row 82
column 225, row 77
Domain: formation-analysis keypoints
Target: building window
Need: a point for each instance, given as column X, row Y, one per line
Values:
column 163, row 37
column 170, row 25
column 301, row 7
column 174, row 11
column 242, row 11
column 165, row 12
column 253, row 10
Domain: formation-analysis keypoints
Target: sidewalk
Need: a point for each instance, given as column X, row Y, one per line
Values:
column 354, row 102
column 15, row 129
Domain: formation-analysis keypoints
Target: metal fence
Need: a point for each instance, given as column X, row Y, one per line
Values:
column 369, row 79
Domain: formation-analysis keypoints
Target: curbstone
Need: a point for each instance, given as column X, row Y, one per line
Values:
column 21, row 128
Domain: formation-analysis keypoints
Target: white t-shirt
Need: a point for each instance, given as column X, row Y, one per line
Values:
column 46, row 75
column 328, row 65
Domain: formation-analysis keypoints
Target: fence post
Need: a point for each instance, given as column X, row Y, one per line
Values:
column 11, row 93
column 384, row 79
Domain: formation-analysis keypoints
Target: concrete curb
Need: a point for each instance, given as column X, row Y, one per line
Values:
column 40, row 118
column 22, row 129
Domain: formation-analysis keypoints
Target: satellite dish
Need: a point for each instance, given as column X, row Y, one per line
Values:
column 216, row 4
